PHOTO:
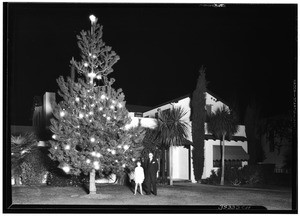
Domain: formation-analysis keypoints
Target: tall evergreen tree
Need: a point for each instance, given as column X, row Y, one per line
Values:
column 252, row 127
column 90, row 127
column 198, row 124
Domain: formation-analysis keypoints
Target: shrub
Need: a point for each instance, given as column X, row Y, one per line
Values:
column 233, row 176
column 21, row 146
column 33, row 168
column 253, row 175
column 60, row 179
column 57, row 177
column 214, row 178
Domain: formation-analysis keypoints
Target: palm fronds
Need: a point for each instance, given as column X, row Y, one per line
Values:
column 172, row 129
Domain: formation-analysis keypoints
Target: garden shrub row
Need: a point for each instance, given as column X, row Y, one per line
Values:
column 252, row 175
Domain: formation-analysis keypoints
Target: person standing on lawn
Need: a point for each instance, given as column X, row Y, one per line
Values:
column 139, row 177
column 151, row 172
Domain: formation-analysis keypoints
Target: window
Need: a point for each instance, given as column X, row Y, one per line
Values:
column 138, row 114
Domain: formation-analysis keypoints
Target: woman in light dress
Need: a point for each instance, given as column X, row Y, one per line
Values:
column 139, row 177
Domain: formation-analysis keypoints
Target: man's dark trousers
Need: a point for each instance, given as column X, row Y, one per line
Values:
column 152, row 167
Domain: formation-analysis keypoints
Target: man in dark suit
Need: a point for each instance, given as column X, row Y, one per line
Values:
column 151, row 172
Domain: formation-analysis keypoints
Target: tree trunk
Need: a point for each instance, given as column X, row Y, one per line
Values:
column 92, row 182
column 17, row 180
column 171, row 164
column 163, row 175
column 223, row 160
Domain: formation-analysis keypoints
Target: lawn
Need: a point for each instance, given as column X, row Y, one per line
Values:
column 185, row 194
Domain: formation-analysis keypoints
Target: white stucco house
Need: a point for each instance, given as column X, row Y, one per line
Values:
column 181, row 157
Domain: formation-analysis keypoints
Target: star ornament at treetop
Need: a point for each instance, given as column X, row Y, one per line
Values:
column 93, row 19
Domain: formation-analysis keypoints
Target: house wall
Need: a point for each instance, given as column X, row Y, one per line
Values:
column 145, row 122
column 48, row 99
column 180, row 156
column 180, row 163
column 208, row 149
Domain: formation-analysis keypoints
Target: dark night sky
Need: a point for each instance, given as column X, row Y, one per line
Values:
column 248, row 51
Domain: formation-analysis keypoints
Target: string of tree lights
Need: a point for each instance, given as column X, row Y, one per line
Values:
column 89, row 128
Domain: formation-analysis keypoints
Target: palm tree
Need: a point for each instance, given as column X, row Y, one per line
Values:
column 150, row 143
column 21, row 146
column 222, row 123
column 171, row 131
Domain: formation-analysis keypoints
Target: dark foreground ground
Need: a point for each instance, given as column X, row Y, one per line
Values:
column 179, row 194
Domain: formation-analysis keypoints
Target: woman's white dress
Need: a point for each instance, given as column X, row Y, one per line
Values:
column 139, row 175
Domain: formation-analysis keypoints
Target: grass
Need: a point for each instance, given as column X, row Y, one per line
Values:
column 179, row 194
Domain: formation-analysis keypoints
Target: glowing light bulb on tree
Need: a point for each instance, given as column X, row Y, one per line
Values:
column 88, row 161
column 108, row 118
column 67, row 147
column 98, row 77
column 91, row 113
column 113, row 152
column 92, row 139
column 80, row 115
column 54, row 136
column 86, row 64
column 93, row 153
column 102, row 97
column 66, row 169
column 77, row 99
column 126, row 147
column 62, row 114
column 100, row 108
column 120, row 105
column 96, row 165
column 98, row 155
column 91, row 75
column 112, row 107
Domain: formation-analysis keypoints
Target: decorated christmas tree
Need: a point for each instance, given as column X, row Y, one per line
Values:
column 91, row 130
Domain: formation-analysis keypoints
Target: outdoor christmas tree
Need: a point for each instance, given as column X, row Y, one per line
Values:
column 90, row 127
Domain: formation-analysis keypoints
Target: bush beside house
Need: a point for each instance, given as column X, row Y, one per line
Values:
column 251, row 175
